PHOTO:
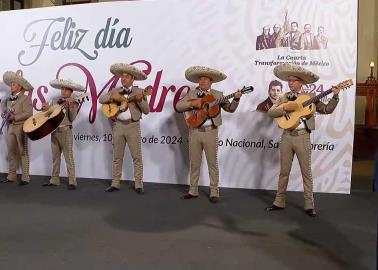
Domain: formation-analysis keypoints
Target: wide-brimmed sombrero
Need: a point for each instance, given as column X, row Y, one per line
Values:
column 194, row 73
column 120, row 68
column 10, row 77
column 283, row 72
column 60, row 83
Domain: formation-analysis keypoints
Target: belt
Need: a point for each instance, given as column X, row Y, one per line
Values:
column 127, row 121
column 16, row 123
column 206, row 128
column 64, row 128
column 296, row 132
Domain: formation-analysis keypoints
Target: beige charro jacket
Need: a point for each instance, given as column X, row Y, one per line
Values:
column 184, row 105
column 22, row 107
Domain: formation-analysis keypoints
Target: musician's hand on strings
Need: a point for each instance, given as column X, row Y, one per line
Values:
column 290, row 107
column 71, row 102
column 117, row 97
column 238, row 95
column 196, row 103
column 335, row 90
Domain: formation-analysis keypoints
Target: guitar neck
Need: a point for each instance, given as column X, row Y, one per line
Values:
column 316, row 98
column 64, row 105
column 221, row 100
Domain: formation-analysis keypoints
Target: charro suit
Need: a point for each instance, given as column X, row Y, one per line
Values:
column 62, row 142
column 298, row 142
column 204, row 139
column 17, row 139
column 128, row 131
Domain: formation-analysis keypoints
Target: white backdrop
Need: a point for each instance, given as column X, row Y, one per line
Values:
column 165, row 38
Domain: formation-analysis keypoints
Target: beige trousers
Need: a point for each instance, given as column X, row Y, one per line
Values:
column 299, row 145
column 206, row 141
column 129, row 134
column 62, row 142
column 17, row 146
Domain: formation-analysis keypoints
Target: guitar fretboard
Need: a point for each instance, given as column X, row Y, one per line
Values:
column 223, row 99
column 316, row 98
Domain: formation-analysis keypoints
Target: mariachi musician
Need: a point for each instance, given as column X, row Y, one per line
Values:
column 126, row 125
column 18, row 108
column 297, row 141
column 61, row 138
column 205, row 137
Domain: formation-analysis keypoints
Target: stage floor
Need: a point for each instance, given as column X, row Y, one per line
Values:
column 53, row 228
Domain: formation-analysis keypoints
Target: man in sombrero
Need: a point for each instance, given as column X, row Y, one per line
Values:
column 297, row 141
column 21, row 107
column 205, row 137
column 126, row 126
column 61, row 138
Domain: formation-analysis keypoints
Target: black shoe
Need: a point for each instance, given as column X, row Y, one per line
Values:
column 111, row 189
column 49, row 185
column 139, row 190
column 214, row 199
column 6, row 181
column 188, row 196
column 311, row 212
column 71, row 187
column 273, row 208
column 23, row 183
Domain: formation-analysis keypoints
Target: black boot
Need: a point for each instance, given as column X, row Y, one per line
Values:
column 311, row 212
column 111, row 189
column 188, row 196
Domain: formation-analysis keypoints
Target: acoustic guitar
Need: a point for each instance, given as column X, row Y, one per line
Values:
column 44, row 123
column 210, row 108
column 111, row 110
column 306, row 107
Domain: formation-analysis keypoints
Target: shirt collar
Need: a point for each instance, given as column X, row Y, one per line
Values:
column 126, row 91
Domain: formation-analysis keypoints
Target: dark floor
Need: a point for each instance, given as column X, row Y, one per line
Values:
column 53, row 228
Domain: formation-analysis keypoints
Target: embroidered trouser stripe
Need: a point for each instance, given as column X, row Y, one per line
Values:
column 17, row 146
column 207, row 142
column 300, row 146
column 62, row 142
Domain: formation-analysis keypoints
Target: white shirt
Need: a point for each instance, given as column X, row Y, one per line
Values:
column 208, row 122
column 301, row 123
column 126, row 115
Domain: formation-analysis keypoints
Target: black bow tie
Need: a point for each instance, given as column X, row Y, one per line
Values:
column 13, row 98
column 201, row 93
column 292, row 96
column 126, row 91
